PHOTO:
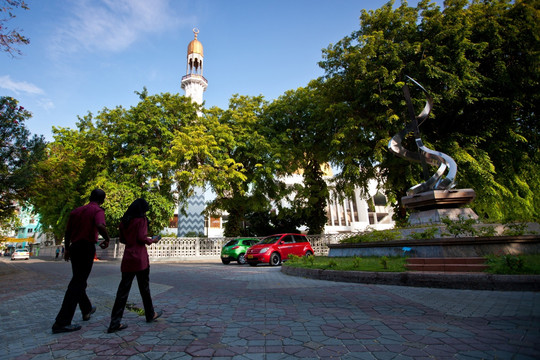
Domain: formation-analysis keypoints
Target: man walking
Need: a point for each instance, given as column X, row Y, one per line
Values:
column 81, row 236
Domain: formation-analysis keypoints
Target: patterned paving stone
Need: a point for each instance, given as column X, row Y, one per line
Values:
column 213, row 311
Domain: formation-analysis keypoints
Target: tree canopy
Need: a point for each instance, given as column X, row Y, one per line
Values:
column 479, row 61
column 10, row 39
column 19, row 151
column 156, row 149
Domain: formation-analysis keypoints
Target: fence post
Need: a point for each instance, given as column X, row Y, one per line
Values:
column 197, row 246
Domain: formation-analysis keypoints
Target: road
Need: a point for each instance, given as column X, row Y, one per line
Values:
column 242, row 312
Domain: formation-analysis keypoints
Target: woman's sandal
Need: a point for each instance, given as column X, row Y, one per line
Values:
column 115, row 329
column 156, row 316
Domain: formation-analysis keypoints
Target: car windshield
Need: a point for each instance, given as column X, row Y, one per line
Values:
column 231, row 243
column 270, row 239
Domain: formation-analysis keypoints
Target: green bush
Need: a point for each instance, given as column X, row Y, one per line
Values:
column 462, row 226
column 515, row 229
column 426, row 234
column 384, row 262
column 373, row 236
column 486, row 231
column 332, row 264
column 293, row 258
column 507, row 264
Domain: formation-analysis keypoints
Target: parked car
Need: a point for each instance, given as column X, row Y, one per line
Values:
column 20, row 254
column 235, row 250
column 276, row 248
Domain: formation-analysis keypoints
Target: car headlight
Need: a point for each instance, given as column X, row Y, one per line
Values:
column 263, row 250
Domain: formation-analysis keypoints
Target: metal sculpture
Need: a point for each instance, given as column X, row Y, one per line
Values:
column 425, row 156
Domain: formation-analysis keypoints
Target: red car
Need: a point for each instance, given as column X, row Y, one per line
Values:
column 276, row 248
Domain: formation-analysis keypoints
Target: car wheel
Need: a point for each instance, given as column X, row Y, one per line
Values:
column 308, row 253
column 241, row 259
column 225, row 262
column 252, row 264
column 275, row 259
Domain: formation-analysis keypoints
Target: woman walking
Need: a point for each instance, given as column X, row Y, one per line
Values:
column 135, row 263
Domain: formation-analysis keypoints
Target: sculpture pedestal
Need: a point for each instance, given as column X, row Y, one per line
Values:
column 430, row 207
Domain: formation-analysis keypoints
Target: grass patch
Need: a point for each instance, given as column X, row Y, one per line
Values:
column 371, row 263
column 514, row 264
column 498, row 264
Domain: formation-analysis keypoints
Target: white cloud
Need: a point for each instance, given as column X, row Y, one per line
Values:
column 18, row 86
column 46, row 104
column 112, row 25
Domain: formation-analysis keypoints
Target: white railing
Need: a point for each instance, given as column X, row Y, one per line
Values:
column 194, row 248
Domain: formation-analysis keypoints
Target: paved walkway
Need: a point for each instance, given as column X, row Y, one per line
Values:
column 241, row 312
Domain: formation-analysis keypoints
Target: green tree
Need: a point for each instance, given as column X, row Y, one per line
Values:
column 59, row 187
column 301, row 131
column 479, row 61
column 158, row 149
column 19, row 151
column 9, row 39
column 241, row 138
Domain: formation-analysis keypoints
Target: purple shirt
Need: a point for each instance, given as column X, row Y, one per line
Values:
column 83, row 222
column 136, row 238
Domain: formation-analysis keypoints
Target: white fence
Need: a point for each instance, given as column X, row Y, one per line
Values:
column 176, row 249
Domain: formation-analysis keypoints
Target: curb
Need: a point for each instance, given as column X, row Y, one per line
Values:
column 470, row 281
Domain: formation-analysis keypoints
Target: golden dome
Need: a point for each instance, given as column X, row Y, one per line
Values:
column 195, row 45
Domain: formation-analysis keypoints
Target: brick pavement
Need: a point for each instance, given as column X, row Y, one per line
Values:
column 241, row 312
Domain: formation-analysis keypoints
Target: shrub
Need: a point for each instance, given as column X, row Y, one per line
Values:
column 332, row 264
column 506, row 264
column 462, row 226
column 308, row 260
column 426, row 234
column 515, row 229
column 293, row 258
column 373, row 236
column 384, row 262
column 486, row 231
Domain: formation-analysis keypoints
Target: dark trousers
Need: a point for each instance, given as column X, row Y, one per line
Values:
column 81, row 255
column 143, row 279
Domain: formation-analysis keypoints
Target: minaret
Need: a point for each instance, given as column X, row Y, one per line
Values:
column 194, row 85
column 194, row 82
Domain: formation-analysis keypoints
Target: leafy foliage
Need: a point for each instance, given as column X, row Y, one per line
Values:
column 515, row 229
column 373, row 236
column 429, row 233
column 479, row 61
column 368, row 263
column 513, row 264
column 298, row 124
column 19, row 151
column 11, row 38
column 157, row 149
column 461, row 227
column 241, row 138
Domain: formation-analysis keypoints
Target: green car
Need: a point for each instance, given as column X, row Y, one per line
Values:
column 235, row 250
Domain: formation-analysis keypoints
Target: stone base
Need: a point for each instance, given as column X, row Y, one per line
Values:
column 436, row 199
column 435, row 216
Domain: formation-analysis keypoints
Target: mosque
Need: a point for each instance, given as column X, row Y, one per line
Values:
column 344, row 214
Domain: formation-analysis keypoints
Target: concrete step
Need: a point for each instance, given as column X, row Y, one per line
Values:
column 467, row 264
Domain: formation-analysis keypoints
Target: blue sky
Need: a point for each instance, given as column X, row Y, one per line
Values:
column 85, row 55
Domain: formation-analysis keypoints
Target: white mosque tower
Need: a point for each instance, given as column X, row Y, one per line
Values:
column 194, row 85
column 193, row 82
